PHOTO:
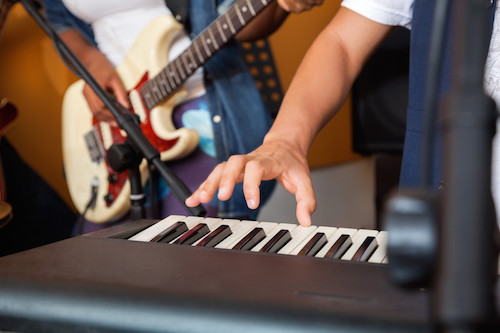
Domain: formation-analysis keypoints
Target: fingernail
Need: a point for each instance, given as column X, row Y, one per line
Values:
column 251, row 204
column 222, row 192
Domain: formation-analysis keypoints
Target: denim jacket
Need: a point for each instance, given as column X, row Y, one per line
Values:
column 239, row 116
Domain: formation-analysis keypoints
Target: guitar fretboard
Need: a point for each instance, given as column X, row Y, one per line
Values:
column 203, row 47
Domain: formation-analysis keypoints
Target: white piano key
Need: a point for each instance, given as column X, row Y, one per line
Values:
column 381, row 252
column 280, row 226
column 239, row 228
column 298, row 235
column 149, row 233
column 357, row 240
column 336, row 235
column 328, row 231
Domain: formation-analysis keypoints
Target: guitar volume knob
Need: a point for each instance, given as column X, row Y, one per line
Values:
column 112, row 178
column 109, row 198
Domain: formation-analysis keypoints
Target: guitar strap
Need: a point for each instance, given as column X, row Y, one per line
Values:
column 180, row 10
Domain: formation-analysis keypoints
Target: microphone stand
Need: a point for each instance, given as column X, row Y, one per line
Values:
column 447, row 241
column 465, row 281
column 126, row 120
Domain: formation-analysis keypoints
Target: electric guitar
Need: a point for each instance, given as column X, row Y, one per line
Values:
column 154, row 89
column 8, row 115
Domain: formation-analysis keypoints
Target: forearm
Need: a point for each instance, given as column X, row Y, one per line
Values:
column 324, row 78
column 316, row 92
column 80, row 46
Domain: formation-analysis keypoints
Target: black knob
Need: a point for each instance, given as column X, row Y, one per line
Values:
column 410, row 220
column 109, row 198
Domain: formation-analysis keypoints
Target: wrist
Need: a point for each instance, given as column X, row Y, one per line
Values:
column 292, row 141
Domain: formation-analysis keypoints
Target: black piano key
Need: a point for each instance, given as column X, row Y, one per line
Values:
column 216, row 236
column 200, row 230
column 314, row 245
column 366, row 249
column 339, row 247
column 251, row 239
column 171, row 233
column 277, row 242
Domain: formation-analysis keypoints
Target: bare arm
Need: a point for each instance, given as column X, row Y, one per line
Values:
column 101, row 69
column 316, row 93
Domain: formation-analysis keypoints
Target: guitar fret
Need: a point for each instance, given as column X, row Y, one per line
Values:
column 171, row 76
column 205, row 46
column 163, row 89
column 157, row 94
column 239, row 15
column 250, row 6
column 230, row 24
column 224, row 38
column 226, row 27
column 157, row 87
column 198, row 52
column 247, row 14
column 178, row 64
column 164, row 80
column 147, row 98
column 175, row 76
column 215, row 44
column 187, row 65
column 167, row 72
column 194, row 64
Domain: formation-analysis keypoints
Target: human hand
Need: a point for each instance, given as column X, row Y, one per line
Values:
column 273, row 160
column 298, row 6
column 107, row 77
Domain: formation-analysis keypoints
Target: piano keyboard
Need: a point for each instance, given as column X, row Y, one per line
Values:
column 281, row 238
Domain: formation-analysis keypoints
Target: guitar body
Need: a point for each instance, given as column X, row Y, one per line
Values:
column 147, row 57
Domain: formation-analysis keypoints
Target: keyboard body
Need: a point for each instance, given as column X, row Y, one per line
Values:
column 97, row 283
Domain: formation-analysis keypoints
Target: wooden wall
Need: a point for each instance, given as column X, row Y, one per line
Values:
column 34, row 78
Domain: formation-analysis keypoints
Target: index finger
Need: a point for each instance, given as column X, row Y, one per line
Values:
column 306, row 203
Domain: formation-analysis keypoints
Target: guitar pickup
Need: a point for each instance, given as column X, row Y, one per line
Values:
column 95, row 146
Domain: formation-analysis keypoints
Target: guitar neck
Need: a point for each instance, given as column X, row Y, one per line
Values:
column 203, row 47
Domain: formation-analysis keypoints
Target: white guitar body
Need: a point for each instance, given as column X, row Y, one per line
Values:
column 147, row 57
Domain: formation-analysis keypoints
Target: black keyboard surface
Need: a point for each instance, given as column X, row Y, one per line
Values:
column 95, row 283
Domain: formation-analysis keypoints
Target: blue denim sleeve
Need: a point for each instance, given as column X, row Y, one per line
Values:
column 61, row 19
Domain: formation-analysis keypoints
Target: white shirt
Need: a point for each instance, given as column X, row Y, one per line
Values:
column 399, row 12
